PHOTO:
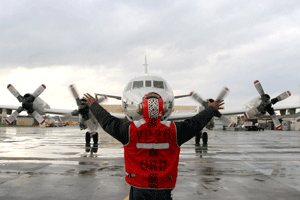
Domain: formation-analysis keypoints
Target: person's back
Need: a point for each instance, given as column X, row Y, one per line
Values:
column 151, row 146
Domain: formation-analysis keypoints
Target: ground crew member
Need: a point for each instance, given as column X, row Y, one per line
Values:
column 151, row 146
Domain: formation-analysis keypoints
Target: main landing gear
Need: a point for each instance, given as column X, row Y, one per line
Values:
column 88, row 140
column 204, row 137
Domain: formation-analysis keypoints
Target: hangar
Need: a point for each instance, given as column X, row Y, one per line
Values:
column 292, row 122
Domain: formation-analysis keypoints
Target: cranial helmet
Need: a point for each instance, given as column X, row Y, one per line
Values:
column 152, row 106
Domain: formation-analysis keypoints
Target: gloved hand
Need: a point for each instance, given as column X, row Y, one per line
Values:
column 89, row 99
column 215, row 104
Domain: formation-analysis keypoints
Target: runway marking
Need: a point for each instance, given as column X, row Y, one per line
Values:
column 127, row 198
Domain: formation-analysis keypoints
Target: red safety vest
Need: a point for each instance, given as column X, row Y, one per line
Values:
column 152, row 155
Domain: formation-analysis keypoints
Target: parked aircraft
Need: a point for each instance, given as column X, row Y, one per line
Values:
column 132, row 98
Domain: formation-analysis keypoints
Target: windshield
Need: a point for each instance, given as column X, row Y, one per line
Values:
column 137, row 84
column 158, row 84
column 129, row 87
column 148, row 83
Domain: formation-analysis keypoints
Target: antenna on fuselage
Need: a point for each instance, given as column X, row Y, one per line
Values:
column 146, row 71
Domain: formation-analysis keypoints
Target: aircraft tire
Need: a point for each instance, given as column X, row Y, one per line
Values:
column 95, row 148
column 87, row 138
column 87, row 147
column 197, row 138
column 204, row 137
column 95, row 138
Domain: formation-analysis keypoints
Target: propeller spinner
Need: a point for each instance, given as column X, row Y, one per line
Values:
column 27, row 104
column 224, row 92
column 266, row 105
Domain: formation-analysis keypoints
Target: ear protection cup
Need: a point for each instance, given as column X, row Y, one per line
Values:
column 166, row 109
column 139, row 109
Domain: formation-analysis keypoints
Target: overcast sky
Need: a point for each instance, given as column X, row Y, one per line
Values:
column 194, row 45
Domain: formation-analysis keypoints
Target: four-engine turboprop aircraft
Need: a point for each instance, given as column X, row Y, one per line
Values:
column 132, row 98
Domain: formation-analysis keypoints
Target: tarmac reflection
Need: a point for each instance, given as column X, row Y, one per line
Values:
column 94, row 149
column 201, row 150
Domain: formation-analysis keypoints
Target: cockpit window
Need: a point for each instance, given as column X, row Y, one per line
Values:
column 129, row 86
column 137, row 84
column 158, row 84
column 148, row 83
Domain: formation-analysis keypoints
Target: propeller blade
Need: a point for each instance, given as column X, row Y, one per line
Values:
column 277, row 124
column 14, row 116
column 259, row 87
column 226, row 121
column 101, row 98
column 39, row 91
column 38, row 117
column 252, row 112
column 75, row 94
column 281, row 97
column 13, row 90
column 199, row 99
column 224, row 92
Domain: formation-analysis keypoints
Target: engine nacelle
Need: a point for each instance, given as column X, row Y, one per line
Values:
column 252, row 105
column 39, row 105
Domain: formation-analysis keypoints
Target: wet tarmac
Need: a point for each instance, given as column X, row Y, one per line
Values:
column 54, row 163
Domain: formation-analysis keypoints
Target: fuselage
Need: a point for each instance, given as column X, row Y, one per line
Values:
column 141, row 85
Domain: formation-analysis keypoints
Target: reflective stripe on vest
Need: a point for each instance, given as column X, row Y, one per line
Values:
column 152, row 145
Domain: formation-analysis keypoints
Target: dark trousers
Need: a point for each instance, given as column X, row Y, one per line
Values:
column 149, row 194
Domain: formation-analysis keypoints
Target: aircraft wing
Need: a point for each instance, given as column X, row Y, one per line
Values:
column 62, row 112
column 183, row 116
column 57, row 111
column 8, row 107
column 181, row 96
column 242, row 111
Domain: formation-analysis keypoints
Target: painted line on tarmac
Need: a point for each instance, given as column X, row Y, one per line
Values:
column 127, row 198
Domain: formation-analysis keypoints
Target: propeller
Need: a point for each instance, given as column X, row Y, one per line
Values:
column 27, row 104
column 83, row 109
column 266, row 105
column 224, row 92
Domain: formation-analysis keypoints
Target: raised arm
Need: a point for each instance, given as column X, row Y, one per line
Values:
column 190, row 127
column 117, row 128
